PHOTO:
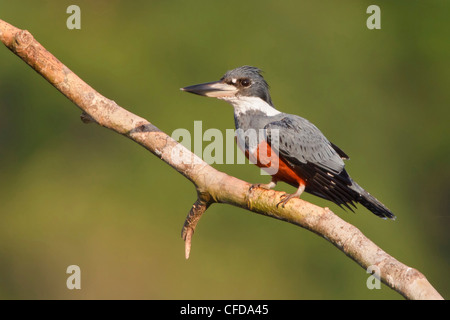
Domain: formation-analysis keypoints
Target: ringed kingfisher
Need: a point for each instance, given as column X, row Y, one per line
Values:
column 301, row 155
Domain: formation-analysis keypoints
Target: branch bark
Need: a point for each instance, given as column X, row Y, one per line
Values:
column 212, row 185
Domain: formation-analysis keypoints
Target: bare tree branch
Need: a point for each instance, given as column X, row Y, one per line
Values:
column 212, row 185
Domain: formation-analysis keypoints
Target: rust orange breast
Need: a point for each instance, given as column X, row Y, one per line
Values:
column 265, row 158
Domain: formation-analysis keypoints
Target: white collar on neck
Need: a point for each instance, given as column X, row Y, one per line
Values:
column 243, row 104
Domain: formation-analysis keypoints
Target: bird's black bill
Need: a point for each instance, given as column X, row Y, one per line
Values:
column 216, row 89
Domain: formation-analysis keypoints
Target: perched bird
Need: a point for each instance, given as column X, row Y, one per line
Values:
column 290, row 148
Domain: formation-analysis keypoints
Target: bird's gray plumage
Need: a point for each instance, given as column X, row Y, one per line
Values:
column 299, row 139
column 303, row 146
column 300, row 144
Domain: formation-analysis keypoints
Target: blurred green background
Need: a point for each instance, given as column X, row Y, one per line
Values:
column 72, row 193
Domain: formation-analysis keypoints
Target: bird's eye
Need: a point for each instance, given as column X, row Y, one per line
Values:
column 245, row 82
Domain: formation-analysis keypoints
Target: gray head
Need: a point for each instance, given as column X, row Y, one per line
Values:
column 245, row 81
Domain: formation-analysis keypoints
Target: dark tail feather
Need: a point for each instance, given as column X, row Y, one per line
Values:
column 371, row 203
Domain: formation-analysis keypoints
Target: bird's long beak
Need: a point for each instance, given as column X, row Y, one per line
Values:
column 216, row 89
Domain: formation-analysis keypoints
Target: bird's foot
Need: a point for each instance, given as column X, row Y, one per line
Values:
column 267, row 186
column 286, row 197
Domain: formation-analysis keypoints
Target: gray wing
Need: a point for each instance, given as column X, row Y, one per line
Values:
column 315, row 159
column 300, row 142
column 320, row 163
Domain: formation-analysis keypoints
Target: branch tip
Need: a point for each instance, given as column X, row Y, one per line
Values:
column 193, row 217
column 187, row 242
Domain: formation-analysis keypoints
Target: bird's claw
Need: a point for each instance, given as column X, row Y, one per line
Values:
column 284, row 199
